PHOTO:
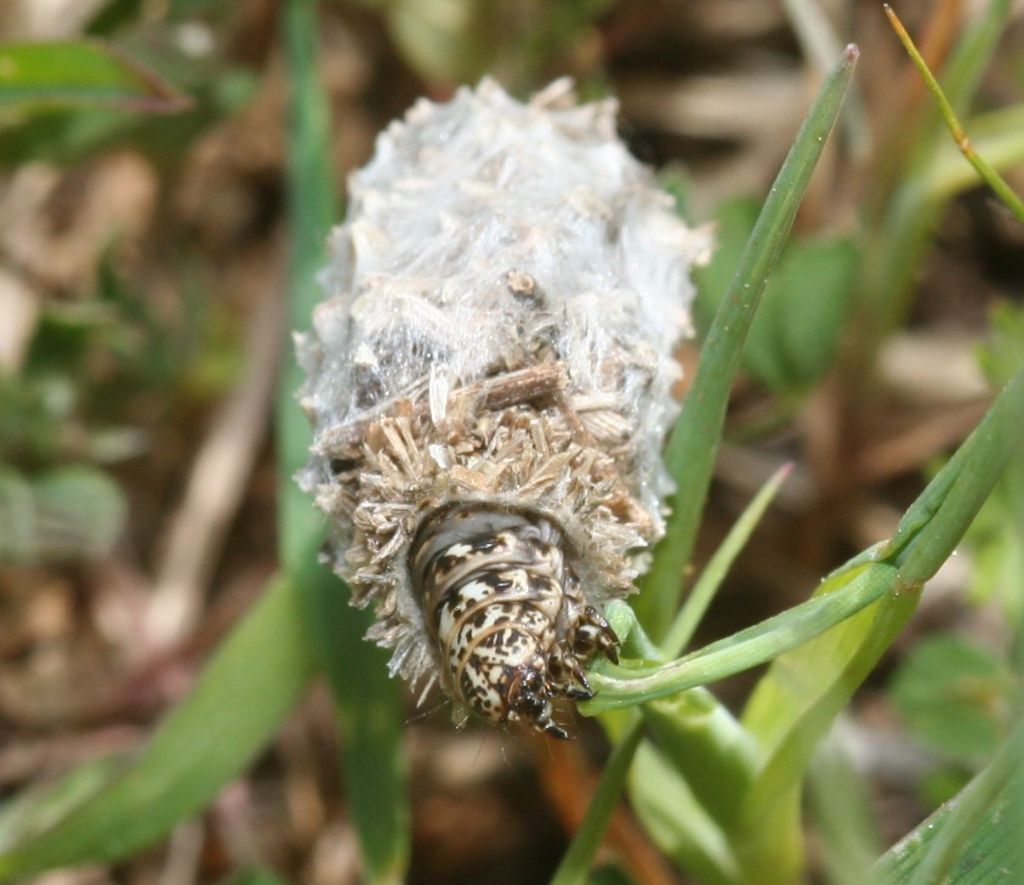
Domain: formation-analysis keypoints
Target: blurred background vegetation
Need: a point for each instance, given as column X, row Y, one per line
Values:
column 143, row 251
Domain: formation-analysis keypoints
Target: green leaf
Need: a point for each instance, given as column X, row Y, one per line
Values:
column 842, row 808
column 370, row 704
column 70, row 513
column 973, row 838
column 677, row 823
column 953, row 694
column 702, row 740
column 244, row 693
column 936, row 522
column 793, row 338
column 624, row 686
column 259, row 876
column 710, row 580
column 40, row 75
column 691, row 450
column 795, row 334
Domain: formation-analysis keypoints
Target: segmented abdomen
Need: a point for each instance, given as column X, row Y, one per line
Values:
column 504, row 607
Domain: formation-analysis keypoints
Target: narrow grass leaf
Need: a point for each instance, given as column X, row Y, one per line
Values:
column 975, row 837
column 676, row 822
column 934, row 524
column 369, row 704
column 997, row 135
column 575, row 866
column 897, row 241
column 694, row 442
column 35, row 76
column 700, row 598
column 311, row 208
column 704, row 742
column 241, row 698
column 790, row 712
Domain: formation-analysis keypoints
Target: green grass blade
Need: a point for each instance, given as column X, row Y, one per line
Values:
column 797, row 700
column 968, row 812
column 370, row 704
column 997, row 135
column 898, row 241
column 934, row 524
column 38, row 808
column 803, row 691
column 613, row 778
column 371, row 714
column 621, row 687
column 676, row 822
column 696, row 604
column 44, row 75
column 311, row 208
column 982, row 823
column 240, row 700
column 575, row 866
column 707, row 746
column 691, row 451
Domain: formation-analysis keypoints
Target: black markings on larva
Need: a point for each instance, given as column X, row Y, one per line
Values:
column 508, row 597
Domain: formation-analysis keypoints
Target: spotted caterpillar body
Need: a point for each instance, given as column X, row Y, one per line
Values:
column 488, row 380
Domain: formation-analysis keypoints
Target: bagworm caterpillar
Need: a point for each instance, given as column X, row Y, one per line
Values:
column 488, row 380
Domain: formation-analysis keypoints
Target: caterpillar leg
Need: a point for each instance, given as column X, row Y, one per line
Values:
column 565, row 673
column 529, row 699
column 593, row 634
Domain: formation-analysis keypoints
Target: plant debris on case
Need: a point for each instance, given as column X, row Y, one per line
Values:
column 488, row 378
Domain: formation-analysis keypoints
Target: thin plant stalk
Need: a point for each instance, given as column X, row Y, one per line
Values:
column 985, row 171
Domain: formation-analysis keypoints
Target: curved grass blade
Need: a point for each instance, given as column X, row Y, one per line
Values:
column 621, row 687
column 76, row 72
column 691, row 450
column 795, row 703
column 703, row 848
column 241, row 698
column 369, row 704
